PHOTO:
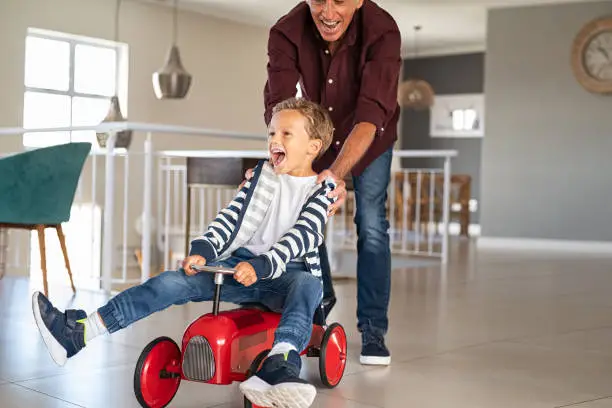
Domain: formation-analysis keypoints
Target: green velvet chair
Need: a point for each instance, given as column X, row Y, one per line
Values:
column 37, row 190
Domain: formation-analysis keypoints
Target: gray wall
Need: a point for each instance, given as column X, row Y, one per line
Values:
column 455, row 74
column 547, row 153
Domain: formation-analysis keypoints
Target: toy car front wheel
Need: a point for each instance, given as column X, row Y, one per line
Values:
column 157, row 376
column 332, row 359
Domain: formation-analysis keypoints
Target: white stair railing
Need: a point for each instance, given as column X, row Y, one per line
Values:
column 120, row 259
column 421, row 234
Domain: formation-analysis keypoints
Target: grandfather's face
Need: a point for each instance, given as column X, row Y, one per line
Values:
column 332, row 17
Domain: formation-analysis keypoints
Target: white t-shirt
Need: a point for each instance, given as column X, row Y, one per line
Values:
column 282, row 213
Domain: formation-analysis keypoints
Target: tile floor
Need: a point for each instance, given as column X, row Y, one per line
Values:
column 491, row 330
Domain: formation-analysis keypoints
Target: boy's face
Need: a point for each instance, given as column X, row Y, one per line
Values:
column 291, row 149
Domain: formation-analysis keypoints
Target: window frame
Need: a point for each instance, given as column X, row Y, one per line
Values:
column 121, row 73
column 440, row 115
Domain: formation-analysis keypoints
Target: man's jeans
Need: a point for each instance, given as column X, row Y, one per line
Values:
column 373, row 251
column 297, row 293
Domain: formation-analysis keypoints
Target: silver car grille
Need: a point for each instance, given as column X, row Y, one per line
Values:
column 198, row 360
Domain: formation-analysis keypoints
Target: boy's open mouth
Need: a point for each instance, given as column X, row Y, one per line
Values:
column 277, row 155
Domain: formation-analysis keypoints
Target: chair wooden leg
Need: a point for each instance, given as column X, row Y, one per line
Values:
column 465, row 220
column 43, row 256
column 62, row 240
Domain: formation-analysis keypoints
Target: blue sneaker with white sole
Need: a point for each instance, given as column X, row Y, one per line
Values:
column 62, row 332
column 373, row 349
column 278, row 383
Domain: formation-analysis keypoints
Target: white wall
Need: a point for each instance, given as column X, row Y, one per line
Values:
column 227, row 61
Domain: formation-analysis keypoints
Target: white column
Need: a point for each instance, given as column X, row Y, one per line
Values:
column 109, row 207
column 446, row 209
column 126, row 200
column 146, row 211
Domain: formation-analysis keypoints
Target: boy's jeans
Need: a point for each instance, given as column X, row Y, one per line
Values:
column 297, row 293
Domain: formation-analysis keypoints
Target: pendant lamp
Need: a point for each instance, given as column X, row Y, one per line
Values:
column 124, row 137
column 172, row 81
column 416, row 93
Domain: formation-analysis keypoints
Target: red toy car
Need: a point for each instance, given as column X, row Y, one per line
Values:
column 228, row 346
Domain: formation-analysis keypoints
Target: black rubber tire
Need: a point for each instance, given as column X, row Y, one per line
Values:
column 253, row 369
column 141, row 360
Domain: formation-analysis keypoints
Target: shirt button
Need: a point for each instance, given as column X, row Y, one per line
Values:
column 327, row 51
column 331, row 81
column 382, row 129
column 337, row 143
column 330, row 108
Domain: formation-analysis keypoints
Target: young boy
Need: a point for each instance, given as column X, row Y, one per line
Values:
column 269, row 233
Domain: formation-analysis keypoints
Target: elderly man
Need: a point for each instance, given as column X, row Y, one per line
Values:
column 345, row 55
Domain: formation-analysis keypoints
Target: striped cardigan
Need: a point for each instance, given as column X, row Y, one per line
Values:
column 235, row 225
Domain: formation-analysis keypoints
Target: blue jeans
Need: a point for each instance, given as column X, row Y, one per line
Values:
column 373, row 251
column 296, row 293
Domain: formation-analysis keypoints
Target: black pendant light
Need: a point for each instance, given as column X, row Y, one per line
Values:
column 172, row 81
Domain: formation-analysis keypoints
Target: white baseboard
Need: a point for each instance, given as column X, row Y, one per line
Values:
column 545, row 245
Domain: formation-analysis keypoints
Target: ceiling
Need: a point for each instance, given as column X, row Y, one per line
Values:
column 448, row 26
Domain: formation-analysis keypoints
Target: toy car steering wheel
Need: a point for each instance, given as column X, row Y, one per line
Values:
column 219, row 272
column 213, row 269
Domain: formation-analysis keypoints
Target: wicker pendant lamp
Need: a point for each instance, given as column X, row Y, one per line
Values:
column 416, row 93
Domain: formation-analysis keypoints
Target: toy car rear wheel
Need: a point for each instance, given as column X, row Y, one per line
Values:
column 157, row 374
column 252, row 370
column 332, row 358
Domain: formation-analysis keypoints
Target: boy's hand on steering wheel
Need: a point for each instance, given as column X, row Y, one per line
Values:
column 245, row 274
column 192, row 260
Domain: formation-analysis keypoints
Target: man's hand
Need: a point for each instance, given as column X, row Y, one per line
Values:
column 245, row 274
column 339, row 191
column 192, row 260
column 354, row 148
column 247, row 176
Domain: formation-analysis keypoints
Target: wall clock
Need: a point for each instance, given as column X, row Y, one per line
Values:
column 592, row 56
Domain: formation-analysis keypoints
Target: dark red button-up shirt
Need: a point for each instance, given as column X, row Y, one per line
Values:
column 357, row 84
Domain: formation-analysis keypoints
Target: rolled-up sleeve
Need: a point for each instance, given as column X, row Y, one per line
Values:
column 283, row 74
column 377, row 99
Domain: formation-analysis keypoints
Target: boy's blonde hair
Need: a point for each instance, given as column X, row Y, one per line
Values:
column 319, row 125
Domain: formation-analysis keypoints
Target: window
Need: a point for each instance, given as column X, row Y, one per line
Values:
column 68, row 82
column 464, row 119
column 457, row 115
